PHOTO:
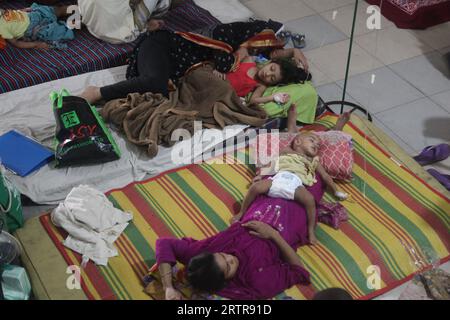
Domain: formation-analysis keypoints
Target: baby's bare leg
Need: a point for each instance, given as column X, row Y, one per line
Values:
column 306, row 199
column 258, row 188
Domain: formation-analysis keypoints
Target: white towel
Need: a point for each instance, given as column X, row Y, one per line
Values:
column 92, row 222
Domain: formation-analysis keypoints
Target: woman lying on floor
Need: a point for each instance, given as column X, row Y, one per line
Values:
column 253, row 259
column 162, row 55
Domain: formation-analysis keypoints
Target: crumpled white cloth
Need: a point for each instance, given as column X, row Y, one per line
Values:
column 92, row 222
column 109, row 20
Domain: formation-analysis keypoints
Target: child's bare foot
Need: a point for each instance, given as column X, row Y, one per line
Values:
column 342, row 121
column 91, row 94
column 292, row 119
column 312, row 238
column 155, row 24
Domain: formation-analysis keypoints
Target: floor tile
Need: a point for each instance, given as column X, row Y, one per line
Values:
column 407, row 148
column 427, row 123
column 280, row 10
column 392, row 45
column 319, row 32
column 442, row 99
column 325, row 5
column 342, row 18
column 332, row 60
column 333, row 92
column 387, row 90
column 318, row 77
column 429, row 73
column 437, row 37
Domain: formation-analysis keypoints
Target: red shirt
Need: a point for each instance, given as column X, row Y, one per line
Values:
column 240, row 80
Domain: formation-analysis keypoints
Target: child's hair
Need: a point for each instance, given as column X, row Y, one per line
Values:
column 204, row 274
column 290, row 72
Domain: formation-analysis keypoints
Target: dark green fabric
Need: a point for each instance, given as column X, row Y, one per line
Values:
column 10, row 199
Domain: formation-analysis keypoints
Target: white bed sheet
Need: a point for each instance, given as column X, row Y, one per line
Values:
column 29, row 111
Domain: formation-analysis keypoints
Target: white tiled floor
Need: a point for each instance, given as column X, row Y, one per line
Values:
column 401, row 76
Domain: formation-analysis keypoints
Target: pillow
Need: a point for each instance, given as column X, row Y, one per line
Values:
column 335, row 151
column 336, row 154
column 304, row 95
column 226, row 11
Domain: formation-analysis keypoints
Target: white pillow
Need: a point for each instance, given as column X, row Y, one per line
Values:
column 226, row 11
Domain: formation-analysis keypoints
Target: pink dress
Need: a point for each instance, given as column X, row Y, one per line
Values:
column 262, row 273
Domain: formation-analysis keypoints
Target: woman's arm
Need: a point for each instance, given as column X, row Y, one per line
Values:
column 263, row 230
column 294, row 53
column 165, row 270
column 168, row 252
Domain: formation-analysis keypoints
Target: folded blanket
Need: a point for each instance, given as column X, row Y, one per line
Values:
column 150, row 119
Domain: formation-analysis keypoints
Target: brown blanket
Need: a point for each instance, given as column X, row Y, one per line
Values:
column 149, row 119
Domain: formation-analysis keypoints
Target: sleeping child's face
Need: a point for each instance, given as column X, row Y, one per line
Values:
column 270, row 74
column 306, row 143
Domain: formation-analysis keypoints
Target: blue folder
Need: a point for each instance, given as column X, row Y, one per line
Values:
column 21, row 154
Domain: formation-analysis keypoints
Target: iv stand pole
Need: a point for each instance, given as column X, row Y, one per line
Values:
column 349, row 55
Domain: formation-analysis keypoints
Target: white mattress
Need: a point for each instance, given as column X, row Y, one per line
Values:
column 29, row 111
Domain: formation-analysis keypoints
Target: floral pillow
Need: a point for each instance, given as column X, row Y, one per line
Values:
column 335, row 152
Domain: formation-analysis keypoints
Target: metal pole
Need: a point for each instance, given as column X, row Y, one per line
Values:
column 349, row 55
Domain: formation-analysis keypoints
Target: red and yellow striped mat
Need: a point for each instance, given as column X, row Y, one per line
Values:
column 396, row 222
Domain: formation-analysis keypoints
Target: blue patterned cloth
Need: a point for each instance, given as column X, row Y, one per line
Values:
column 44, row 26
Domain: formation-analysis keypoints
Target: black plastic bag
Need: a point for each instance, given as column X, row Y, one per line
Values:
column 81, row 134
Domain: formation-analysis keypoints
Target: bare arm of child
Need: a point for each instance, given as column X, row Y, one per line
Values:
column 294, row 53
column 257, row 96
column 29, row 45
column 330, row 183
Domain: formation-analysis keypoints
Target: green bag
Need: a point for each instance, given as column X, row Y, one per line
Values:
column 10, row 204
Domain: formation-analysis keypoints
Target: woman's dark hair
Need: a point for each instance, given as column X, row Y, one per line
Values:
column 333, row 294
column 290, row 72
column 204, row 274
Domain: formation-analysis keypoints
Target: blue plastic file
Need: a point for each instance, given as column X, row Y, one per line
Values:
column 21, row 154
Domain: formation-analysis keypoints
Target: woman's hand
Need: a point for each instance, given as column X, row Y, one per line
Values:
column 300, row 59
column 173, row 294
column 261, row 229
column 220, row 75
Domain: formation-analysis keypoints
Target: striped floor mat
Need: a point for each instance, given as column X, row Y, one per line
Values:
column 397, row 222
